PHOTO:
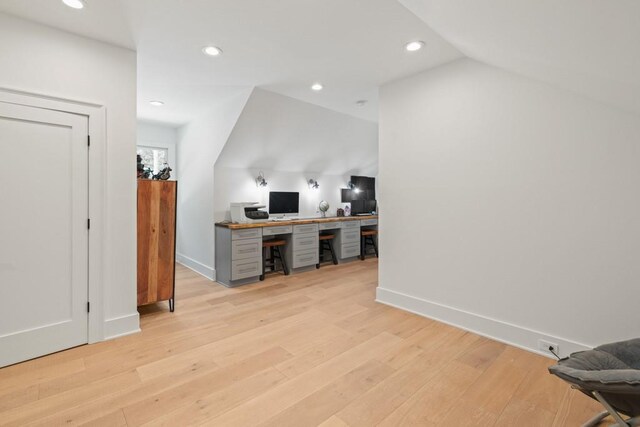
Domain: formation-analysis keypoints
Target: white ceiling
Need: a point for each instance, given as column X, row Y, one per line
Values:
column 104, row 20
column 351, row 46
column 588, row 46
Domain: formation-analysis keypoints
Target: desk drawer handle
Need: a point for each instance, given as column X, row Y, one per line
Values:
column 246, row 251
column 246, row 270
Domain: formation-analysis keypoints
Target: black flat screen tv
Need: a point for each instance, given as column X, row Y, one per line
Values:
column 284, row 202
column 366, row 187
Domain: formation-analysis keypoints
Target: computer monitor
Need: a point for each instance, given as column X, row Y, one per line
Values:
column 283, row 202
column 360, row 207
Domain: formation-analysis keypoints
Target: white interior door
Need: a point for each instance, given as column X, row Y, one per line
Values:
column 43, row 232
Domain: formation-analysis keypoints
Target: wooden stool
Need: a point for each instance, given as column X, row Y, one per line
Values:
column 367, row 237
column 275, row 254
column 326, row 243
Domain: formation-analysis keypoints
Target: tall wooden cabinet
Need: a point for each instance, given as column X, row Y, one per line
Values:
column 156, row 241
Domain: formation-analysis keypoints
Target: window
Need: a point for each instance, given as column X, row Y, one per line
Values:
column 154, row 158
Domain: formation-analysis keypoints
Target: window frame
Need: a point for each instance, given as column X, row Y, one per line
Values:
column 157, row 147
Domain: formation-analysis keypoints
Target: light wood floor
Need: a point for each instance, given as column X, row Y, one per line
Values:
column 312, row 349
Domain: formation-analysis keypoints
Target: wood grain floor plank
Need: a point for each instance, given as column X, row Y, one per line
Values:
column 168, row 400
column 290, row 392
column 212, row 405
column 333, row 421
column 112, row 419
column 305, row 349
column 525, row 414
column 18, row 396
column 40, row 409
column 375, row 405
column 498, row 383
column 470, row 415
column 575, row 409
column 435, row 399
column 322, row 404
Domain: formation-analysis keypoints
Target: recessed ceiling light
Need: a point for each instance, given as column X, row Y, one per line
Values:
column 413, row 46
column 156, row 103
column 212, row 51
column 75, row 4
column 361, row 103
column 317, row 87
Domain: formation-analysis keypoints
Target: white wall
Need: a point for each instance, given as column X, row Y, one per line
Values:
column 292, row 141
column 199, row 145
column 238, row 185
column 281, row 133
column 515, row 207
column 41, row 60
column 162, row 136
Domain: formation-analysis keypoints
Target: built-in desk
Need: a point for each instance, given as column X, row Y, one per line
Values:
column 239, row 246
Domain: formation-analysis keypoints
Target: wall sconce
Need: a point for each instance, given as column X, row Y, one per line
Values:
column 313, row 184
column 260, row 181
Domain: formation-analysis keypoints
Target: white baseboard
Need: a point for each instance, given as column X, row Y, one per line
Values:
column 517, row 336
column 121, row 326
column 196, row 266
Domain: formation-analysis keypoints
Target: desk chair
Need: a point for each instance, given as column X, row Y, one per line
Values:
column 273, row 246
column 368, row 238
column 326, row 243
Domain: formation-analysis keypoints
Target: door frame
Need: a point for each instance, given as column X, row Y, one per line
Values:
column 96, row 115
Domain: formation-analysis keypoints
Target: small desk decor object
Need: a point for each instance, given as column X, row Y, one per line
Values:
column 323, row 207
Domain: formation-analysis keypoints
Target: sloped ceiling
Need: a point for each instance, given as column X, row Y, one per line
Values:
column 281, row 133
column 588, row 46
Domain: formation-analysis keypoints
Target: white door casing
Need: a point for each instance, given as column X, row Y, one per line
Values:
column 44, row 236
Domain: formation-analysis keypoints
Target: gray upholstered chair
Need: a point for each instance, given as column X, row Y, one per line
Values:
column 611, row 375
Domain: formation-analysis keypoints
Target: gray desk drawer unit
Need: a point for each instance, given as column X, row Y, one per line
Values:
column 238, row 255
column 250, row 233
column 245, row 249
column 302, row 246
column 239, row 251
column 304, row 242
column 350, row 224
column 274, row 231
column 245, row 268
column 305, row 228
column 347, row 244
column 329, row 226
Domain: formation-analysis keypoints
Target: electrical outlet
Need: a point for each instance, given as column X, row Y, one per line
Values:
column 548, row 347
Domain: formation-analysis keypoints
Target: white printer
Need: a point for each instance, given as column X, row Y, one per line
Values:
column 248, row 212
